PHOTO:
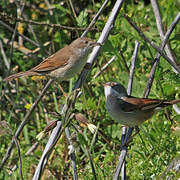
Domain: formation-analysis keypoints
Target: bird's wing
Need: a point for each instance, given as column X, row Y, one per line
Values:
column 132, row 103
column 55, row 61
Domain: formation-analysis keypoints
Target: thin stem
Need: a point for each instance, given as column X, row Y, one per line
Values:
column 159, row 24
column 104, row 67
column 24, row 122
column 133, row 62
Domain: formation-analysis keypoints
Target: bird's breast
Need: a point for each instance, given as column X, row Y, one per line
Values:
column 130, row 119
column 68, row 71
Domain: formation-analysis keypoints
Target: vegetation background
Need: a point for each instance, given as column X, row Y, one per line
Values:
column 158, row 143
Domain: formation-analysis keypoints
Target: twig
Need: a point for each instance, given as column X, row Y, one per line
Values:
column 19, row 154
column 11, row 18
column 72, row 155
column 157, row 15
column 17, row 46
column 91, row 163
column 19, row 14
column 18, row 4
column 175, row 107
column 7, row 126
column 133, row 62
column 72, row 7
column 87, row 151
column 104, row 67
column 172, row 170
column 49, row 7
column 11, row 29
column 24, row 122
column 123, row 137
column 152, row 44
column 19, row 10
column 30, row 29
column 31, row 149
column 46, row 153
column 158, row 55
column 6, row 62
column 95, row 18
column 120, row 163
column 55, row 135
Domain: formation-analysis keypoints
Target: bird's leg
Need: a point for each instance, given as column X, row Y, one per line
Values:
column 137, row 131
column 128, row 137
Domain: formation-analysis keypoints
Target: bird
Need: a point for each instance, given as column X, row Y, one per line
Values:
column 128, row 110
column 63, row 64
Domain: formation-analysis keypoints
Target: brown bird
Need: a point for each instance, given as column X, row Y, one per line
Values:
column 64, row 64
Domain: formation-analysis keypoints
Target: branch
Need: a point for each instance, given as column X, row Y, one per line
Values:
column 104, row 67
column 6, row 17
column 157, row 15
column 24, row 122
column 12, row 30
column 95, row 18
column 133, row 62
column 153, row 44
column 72, row 155
column 158, row 55
column 6, row 62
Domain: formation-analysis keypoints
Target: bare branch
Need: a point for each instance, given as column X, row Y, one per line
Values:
column 158, row 55
column 19, row 154
column 104, row 67
column 157, row 15
column 95, row 18
column 6, row 62
column 12, row 30
column 133, row 62
column 153, row 44
column 72, row 155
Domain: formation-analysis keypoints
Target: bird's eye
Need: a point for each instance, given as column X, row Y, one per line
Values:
column 86, row 42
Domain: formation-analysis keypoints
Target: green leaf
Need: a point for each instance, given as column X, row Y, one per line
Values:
column 82, row 18
column 81, row 139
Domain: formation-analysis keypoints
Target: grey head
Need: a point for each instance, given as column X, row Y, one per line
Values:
column 114, row 88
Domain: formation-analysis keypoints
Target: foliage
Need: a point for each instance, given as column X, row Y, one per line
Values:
column 158, row 144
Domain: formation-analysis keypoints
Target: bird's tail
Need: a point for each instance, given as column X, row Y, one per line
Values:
column 20, row 74
column 166, row 103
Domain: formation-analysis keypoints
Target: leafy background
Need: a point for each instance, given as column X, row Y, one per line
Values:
column 158, row 143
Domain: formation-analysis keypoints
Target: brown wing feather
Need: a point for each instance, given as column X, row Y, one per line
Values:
column 142, row 103
column 55, row 61
column 145, row 104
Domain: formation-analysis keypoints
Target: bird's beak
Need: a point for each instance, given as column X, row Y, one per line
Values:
column 96, row 44
column 104, row 84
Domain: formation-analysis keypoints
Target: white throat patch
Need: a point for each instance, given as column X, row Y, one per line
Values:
column 107, row 91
